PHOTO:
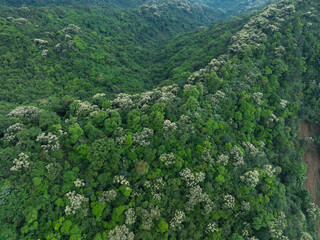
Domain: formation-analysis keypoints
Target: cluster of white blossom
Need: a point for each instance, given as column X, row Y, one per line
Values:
column 44, row 53
column 145, row 98
column 84, row 108
column 257, row 97
column 279, row 51
column 211, row 228
column 157, row 196
column 21, row 21
column 277, row 225
column 123, row 101
column 62, row 133
column 120, row 136
column 79, row 183
column 58, row 47
column 149, row 216
column 245, row 233
column 283, row 103
column 187, row 87
column 120, row 179
column 167, row 159
column 177, row 220
column 120, row 233
column 269, row 170
column 255, row 30
column 158, row 184
column 305, row 236
column 25, row 112
column 252, row 238
column 229, row 201
column 71, row 28
column 216, row 64
column 20, row 163
column 40, row 43
column 147, row 184
column 190, row 178
column 153, row 8
column 249, row 35
column 313, row 211
column 272, row 119
column 145, row 108
column 196, row 196
column 159, row 8
column 130, row 216
column 184, row 125
column 245, row 206
column 237, row 156
column 49, row 141
column 183, row 5
column 184, row 120
column 198, row 76
column 216, row 99
column 76, row 200
column 262, row 144
column 67, row 36
column 206, row 156
column 99, row 95
column 250, row 178
column 169, row 128
column 11, row 133
column 314, row 85
column 108, row 196
column 142, row 138
column 223, row 159
column 253, row 151
column 168, row 93
column 52, row 167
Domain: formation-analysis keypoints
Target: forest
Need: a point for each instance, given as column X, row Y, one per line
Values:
column 168, row 120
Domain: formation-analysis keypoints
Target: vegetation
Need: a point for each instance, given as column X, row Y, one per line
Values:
column 229, row 6
column 212, row 152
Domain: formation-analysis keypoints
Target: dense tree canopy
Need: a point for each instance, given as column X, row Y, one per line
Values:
column 209, row 151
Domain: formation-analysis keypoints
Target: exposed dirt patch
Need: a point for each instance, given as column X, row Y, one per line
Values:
column 312, row 158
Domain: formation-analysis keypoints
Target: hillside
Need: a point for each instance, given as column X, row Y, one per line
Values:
column 229, row 6
column 56, row 51
column 212, row 152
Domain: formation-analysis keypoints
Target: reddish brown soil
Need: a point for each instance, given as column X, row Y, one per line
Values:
column 311, row 158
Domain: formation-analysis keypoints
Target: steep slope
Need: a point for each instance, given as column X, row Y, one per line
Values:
column 79, row 51
column 229, row 6
column 105, row 3
column 217, row 158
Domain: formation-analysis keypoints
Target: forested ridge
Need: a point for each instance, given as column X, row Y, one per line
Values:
column 79, row 51
column 209, row 149
column 228, row 6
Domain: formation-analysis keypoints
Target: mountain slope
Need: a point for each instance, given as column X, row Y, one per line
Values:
column 229, row 6
column 79, row 51
column 217, row 158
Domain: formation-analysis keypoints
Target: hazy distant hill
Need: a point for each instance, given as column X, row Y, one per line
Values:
column 229, row 6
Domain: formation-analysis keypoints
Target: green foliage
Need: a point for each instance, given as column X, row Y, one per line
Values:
column 75, row 132
column 97, row 208
column 162, row 226
column 65, row 228
column 203, row 160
